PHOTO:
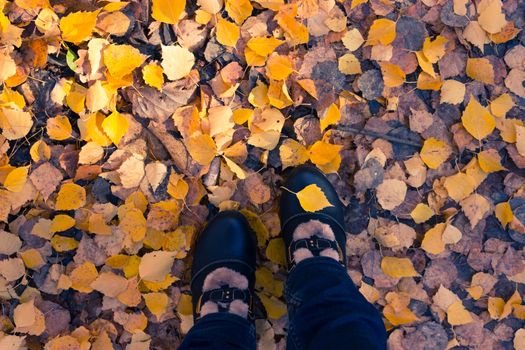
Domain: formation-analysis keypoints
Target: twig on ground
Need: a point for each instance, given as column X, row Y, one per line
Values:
column 378, row 135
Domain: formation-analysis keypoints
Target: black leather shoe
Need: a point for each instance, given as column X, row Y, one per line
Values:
column 292, row 215
column 226, row 242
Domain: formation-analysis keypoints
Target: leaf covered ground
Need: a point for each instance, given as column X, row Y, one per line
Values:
column 127, row 125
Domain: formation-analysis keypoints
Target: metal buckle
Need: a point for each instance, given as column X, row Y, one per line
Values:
column 315, row 245
column 225, row 295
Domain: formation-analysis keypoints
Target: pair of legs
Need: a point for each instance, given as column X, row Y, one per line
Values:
column 325, row 309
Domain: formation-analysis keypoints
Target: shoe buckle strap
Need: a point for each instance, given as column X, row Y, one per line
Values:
column 225, row 295
column 315, row 245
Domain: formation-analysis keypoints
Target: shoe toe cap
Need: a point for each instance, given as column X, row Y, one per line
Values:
column 227, row 236
column 299, row 179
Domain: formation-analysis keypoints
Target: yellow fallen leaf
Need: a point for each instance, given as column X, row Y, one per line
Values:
column 434, row 49
column 115, row 126
column 278, row 94
column 263, row 46
column 220, row 120
column 501, row 105
column 177, row 187
column 519, row 137
column 425, row 64
column 109, row 284
column 11, row 96
column 228, row 33
column 475, row 208
column 382, row 31
column 40, row 151
column 239, row 10
column 76, row 98
column 279, row 67
column 59, row 128
column 275, row 308
column 491, row 18
column 513, row 302
column 292, row 153
column 476, row 35
column 97, row 225
column 421, row 213
column 121, row 60
column 453, row 92
column 177, row 61
column 16, row 179
column 258, row 96
column 133, row 224
column 61, row 223
column 71, row 196
column 296, row 32
column 202, row 17
column 241, row 174
column 202, row 148
column 356, row 3
column 63, row 342
column 153, row 75
column 15, row 123
column 157, row 303
column 331, row 116
column 391, row 193
column 352, row 39
column 275, row 251
column 29, row 319
column 309, row 86
column 322, row 153
column 82, row 277
column 457, row 314
column 78, row 26
column 397, row 311
column 312, row 198
column 451, row 234
column 490, row 161
column 480, row 69
column 433, row 242
column 32, row 259
column 426, row 81
column 155, row 266
column 495, row 307
column 167, row 11
column 475, row 292
column 349, row 64
column 370, row 293
column 96, row 97
column 398, row 267
column 477, row 120
column 393, row 76
column 459, row 186
column 185, row 306
column 504, row 213
column 63, row 244
column 242, row 115
column 42, row 228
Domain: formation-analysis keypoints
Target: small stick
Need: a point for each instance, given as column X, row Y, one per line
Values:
column 378, row 135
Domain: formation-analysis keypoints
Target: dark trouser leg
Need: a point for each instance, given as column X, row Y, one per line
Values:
column 220, row 331
column 326, row 310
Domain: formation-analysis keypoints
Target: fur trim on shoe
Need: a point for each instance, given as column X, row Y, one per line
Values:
column 309, row 229
column 224, row 276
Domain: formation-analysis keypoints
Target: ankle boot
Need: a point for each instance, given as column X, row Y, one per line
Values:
column 310, row 234
column 223, row 270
